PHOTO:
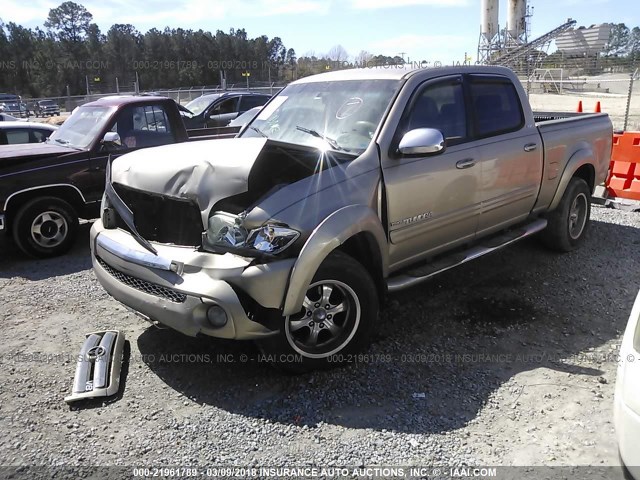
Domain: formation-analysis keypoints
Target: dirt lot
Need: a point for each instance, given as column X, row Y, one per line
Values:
column 506, row 361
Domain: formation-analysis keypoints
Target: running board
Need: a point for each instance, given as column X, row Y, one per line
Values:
column 99, row 365
column 409, row 278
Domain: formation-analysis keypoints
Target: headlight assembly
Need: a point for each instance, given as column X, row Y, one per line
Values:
column 227, row 231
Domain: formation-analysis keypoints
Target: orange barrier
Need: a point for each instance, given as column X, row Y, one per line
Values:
column 624, row 172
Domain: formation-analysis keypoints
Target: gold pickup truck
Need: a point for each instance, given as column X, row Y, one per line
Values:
column 346, row 186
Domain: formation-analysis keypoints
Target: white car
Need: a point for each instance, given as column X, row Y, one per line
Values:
column 12, row 133
column 627, row 397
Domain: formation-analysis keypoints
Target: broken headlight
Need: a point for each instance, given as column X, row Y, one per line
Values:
column 227, row 231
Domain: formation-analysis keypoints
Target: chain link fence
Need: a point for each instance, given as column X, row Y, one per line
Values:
column 181, row 95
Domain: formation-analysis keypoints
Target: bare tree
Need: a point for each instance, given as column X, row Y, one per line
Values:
column 338, row 54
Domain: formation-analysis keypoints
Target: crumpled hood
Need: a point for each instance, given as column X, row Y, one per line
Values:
column 204, row 171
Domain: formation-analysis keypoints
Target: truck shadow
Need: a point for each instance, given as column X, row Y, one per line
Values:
column 15, row 263
column 443, row 348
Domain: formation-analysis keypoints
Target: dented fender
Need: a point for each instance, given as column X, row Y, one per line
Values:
column 334, row 230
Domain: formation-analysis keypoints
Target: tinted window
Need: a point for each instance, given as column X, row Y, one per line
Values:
column 226, row 106
column 40, row 136
column 440, row 106
column 17, row 136
column 251, row 101
column 146, row 126
column 496, row 107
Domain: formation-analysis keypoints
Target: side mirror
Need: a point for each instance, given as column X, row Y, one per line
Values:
column 422, row 141
column 112, row 138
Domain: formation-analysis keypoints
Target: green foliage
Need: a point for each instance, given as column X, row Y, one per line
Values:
column 71, row 54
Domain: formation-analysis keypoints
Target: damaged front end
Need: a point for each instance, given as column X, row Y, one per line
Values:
column 196, row 243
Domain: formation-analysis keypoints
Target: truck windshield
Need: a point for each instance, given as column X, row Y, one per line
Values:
column 339, row 115
column 82, row 127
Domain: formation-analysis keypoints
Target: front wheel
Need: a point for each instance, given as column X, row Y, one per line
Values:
column 568, row 224
column 335, row 320
column 45, row 227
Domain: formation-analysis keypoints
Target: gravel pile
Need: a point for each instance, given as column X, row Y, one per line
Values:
column 509, row 360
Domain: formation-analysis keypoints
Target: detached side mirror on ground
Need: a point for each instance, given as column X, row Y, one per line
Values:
column 421, row 141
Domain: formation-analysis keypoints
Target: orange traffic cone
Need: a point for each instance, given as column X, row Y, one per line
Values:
column 598, row 108
column 579, row 110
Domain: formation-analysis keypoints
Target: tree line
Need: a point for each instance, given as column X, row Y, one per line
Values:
column 71, row 55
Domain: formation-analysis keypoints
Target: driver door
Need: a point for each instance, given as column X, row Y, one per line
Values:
column 433, row 200
column 223, row 112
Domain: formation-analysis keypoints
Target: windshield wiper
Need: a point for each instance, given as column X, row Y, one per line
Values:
column 256, row 129
column 317, row 134
column 61, row 141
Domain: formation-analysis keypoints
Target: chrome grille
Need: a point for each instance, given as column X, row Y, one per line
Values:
column 143, row 285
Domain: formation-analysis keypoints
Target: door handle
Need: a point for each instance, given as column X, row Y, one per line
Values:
column 466, row 163
column 530, row 147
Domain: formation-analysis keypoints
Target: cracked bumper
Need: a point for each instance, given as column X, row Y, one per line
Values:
column 176, row 287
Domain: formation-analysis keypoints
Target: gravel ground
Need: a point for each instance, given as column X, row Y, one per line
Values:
column 509, row 360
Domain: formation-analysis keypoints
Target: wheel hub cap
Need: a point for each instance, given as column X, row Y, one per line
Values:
column 49, row 229
column 327, row 321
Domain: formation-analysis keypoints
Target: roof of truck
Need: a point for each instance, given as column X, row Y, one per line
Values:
column 396, row 72
column 117, row 100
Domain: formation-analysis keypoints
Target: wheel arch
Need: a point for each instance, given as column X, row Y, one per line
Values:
column 67, row 192
column 355, row 230
column 581, row 165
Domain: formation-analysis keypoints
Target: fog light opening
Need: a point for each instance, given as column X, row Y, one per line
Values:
column 216, row 316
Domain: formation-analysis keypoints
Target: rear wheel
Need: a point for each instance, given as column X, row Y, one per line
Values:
column 568, row 224
column 335, row 320
column 45, row 227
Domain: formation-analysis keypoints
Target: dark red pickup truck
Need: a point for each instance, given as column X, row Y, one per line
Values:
column 45, row 188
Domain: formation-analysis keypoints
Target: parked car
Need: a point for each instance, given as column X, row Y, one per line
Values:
column 218, row 109
column 346, row 186
column 45, row 108
column 12, row 133
column 64, row 177
column 627, row 395
column 15, row 108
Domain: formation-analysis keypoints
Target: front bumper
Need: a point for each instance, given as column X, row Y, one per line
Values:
column 176, row 287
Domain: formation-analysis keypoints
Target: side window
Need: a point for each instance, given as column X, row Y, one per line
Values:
column 229, row 105
column 143, row 126
column 440, row 106
column 152, row 118
column 250, row 101
column 40, row 136
column 496, row 106
column 17, row 136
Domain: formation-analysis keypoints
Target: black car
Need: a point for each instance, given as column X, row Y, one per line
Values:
column 43, row 108
column 218, row 109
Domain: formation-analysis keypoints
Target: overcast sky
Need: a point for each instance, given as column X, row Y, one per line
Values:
column 431, row 30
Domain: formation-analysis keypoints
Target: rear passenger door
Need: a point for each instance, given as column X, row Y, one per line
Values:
column 509, row 152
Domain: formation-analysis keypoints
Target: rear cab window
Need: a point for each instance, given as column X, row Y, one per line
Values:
column 495, row 105
column 143, row 126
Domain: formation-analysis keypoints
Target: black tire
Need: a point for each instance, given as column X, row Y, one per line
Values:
column 54, row 219
column 568, row 224
column 353, row 290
